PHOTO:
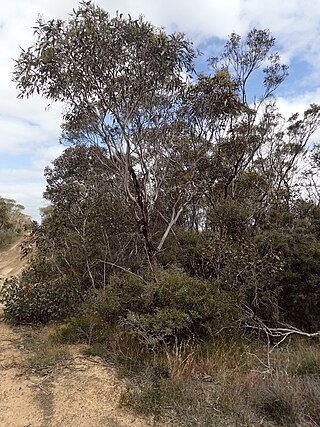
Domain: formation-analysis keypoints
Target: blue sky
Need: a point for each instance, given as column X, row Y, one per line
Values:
column 30, row 131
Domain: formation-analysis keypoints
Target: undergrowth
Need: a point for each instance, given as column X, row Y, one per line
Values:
column 223, row 381
column 179, row 365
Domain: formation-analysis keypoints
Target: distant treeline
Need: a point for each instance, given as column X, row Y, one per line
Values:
column 13, row 222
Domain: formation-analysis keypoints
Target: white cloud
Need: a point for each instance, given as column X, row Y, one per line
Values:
column 20, row 136
column 294, row 23
column 298, row 103
column 25, row 186
column 44, row 156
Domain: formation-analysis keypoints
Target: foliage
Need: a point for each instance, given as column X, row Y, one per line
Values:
column 13, row 222
column 172, row 308
column 296, row 282
column 27, row 300
column 126, row 99
column 7, row 237
column 94, row 224
column 178, row 207
column 185, row 210
column 155, row 329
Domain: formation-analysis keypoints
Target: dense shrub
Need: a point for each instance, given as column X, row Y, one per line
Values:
column 123, row 293
column 34, row 302
column 209, row 307
column 169, row 306
column 295, row 284
column 275, row 271
column 157, row 328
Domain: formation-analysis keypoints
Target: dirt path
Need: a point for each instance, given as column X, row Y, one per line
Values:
column 81, row 391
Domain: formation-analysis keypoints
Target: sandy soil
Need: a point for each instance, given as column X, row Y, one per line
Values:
column 80, row 391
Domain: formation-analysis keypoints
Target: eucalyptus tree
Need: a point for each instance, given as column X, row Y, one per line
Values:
column 245, row 61
column 88, row 227
column 13, row 222
column 176, row 142
column 122, row 81
column 257, row 152
column 12, row 216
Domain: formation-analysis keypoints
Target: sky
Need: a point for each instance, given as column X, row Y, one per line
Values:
column 29, row 130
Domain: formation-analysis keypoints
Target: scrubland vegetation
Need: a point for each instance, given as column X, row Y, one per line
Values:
column 13, row 222
column 182, row 240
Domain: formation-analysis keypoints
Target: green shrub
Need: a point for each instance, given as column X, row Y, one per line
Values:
column 159, row 327
column 123, row 293
column 86, row 328
column 170, row 305
column 37, row 302
column 296, row 283
column 209, row 307
column 176, row 289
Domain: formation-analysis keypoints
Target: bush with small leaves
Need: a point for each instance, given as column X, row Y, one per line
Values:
column 157, row 328
column 37, row 302
column 124, row 293
column 208, row 306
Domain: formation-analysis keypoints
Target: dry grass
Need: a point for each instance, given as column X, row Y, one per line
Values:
column 231, row 384
column 228, row 382
column 180, row 359
column 43, row 349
